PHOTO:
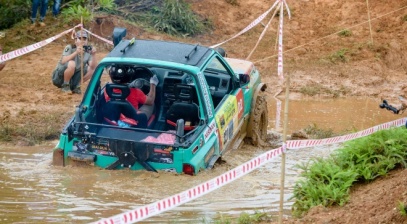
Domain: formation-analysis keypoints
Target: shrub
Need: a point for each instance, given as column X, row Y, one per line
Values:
column 80, row 9
column 327, row 182
column 175, row 17
column 345, row 33
column 15, row 12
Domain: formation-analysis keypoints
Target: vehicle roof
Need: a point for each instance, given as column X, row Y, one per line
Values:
column 177, row 52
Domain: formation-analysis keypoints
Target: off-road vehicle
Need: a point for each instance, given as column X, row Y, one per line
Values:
column 205, row 105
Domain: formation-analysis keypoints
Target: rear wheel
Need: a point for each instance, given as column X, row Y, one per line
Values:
column 259, row 122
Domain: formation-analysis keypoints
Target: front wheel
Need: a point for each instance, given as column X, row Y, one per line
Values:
column 259, row 122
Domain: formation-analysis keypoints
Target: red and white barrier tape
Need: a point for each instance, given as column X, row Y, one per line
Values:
column 168, row 203
column 174, row 201
column 298, row 144
column 278, row 113
column 99, row 37
column 25, row 50
column 251, row 25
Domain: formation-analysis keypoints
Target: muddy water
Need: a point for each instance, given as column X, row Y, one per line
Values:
column 32, row 191
column 338, row 115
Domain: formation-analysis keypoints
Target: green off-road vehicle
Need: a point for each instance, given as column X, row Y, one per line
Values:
column 205, row 105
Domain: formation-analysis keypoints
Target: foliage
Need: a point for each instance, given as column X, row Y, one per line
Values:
column 324, row 183
column 244, row 218
column 12, row 12
column 233, row 2
column 316, row 88
column 317, row 133
column 176, row 18
column 339, row 55
column 47, row 126
column 83, row 10
column 327, row 181
column 345, row 33
column 77, row 13
column 402, row 208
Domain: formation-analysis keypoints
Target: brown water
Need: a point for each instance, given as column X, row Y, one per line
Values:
column 336, row 114
column 32, row 191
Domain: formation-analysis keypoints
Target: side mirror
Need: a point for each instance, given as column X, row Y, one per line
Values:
column 244, row 79
column 118, row 34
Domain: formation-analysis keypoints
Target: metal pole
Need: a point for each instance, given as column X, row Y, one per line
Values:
column 282, row 179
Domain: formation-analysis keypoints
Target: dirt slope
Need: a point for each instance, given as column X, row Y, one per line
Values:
column 367, row 59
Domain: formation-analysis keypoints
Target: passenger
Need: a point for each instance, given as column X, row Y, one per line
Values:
column 136, row 96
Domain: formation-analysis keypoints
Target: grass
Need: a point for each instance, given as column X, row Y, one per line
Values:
column 31, row 127
column 233, row 2
column 175, row 17
column 314, row 89
column 327, row 181
column 317, row 133
column 402, row 208
column 339, row 56
column 345, row 33
column 244, row 218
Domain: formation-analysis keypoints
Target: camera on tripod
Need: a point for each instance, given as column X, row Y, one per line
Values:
column 87, row 48
column 384, row 104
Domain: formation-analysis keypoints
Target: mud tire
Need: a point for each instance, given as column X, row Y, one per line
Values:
column 260, row 122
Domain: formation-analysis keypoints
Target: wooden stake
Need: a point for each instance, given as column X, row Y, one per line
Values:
column 287, row 94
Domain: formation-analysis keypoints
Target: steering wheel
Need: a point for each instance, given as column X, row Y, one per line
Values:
column 142, row 77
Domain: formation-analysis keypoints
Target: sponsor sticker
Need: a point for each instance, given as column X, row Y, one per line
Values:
column 209, row 130
column 204, row 88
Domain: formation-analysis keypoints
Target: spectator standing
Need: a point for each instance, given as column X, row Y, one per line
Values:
column 43, row 5
column 55, row 8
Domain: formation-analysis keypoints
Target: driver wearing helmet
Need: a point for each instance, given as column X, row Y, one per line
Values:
column 118, row 75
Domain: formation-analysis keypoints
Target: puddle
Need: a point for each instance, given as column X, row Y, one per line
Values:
column 32, row 191
column 337, row 114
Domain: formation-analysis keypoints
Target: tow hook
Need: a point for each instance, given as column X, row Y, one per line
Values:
column 127, row 159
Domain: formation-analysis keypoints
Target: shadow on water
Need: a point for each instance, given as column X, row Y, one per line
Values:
column 33, row 191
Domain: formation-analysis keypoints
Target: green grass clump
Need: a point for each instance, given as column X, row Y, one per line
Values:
column 340, row 55
column 244, row 218
column 402, row 208
column 175, row 17
column 314, row 132
column 316, row 88
column 233, row 2
column 31, row 127
column 345, row 33
column 327, row 181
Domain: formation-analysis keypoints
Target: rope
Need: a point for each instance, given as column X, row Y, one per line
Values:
column 370, row 24
column 331, row 34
